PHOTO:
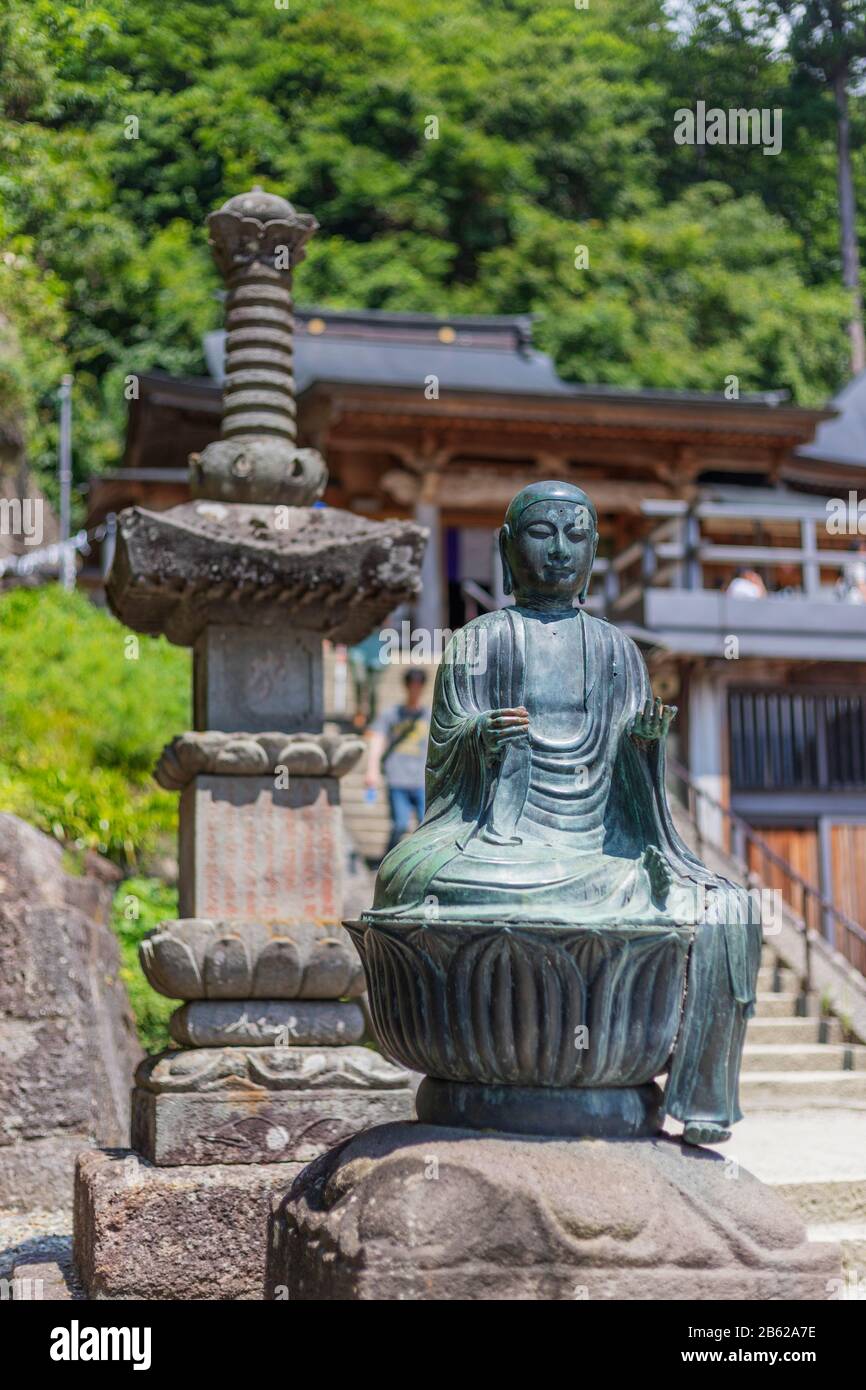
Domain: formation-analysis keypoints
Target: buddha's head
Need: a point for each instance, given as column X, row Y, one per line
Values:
column 548, row 544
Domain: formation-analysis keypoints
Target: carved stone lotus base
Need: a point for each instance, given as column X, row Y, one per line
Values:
column 198, row 958
column 261, row 1104
column 255, row 755
column 590, row 1112
column 422, row 1212
column 256, row 1069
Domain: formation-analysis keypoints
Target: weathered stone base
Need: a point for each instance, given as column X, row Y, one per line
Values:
column 413, row 1211
column 189, row 1234
column 240, row 1127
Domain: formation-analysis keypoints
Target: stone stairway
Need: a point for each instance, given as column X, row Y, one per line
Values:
column 794, row 1060
column 803, row 1092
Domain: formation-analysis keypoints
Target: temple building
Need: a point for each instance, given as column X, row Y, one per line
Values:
column 727, row 536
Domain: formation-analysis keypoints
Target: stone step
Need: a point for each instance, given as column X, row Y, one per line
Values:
column 775, row 1090
column 368, row 823
column 851, row 1235
column 763, row 1031
column 776, row 979
column 782, row 1005
column 800, row 1057
column 827, row 1200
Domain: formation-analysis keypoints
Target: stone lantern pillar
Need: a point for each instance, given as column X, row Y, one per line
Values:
column 252, row 575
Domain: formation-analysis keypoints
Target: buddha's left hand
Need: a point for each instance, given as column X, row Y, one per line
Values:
column 654, row 720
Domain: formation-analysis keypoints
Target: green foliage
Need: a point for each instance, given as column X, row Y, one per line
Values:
column 140, row 904
column 680, row 297
column 122, row 124
column 82, row 725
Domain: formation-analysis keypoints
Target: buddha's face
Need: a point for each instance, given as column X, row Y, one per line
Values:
column 552, row 551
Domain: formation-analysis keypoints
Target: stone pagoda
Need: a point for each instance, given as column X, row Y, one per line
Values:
column 252, row 575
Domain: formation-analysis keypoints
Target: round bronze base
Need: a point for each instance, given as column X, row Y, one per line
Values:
column 600, row 1112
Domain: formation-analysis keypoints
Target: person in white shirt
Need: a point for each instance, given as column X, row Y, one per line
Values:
column 747, row 584
column 851, row 587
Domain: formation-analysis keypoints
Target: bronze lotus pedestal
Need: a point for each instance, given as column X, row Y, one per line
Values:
column 543, row 948
column 541, row 1029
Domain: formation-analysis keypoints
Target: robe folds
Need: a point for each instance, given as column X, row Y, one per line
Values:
column 574, row 830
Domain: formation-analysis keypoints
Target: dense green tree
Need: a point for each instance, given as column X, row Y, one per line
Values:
column 827, row 43
column 455, row 155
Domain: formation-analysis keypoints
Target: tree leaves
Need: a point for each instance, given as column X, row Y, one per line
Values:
column 124, row 124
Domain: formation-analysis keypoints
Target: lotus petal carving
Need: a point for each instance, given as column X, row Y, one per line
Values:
column 196, row 958
column 544, row 1006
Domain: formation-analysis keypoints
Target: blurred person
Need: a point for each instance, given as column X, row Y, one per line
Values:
column 851, row 585
column 747, row 584
column 788, row 582
column 398, row 750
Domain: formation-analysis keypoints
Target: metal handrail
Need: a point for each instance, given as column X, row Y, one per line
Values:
column 850, row 941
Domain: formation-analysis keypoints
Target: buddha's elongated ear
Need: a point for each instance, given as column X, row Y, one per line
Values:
column 507, row 577
column 581, row 598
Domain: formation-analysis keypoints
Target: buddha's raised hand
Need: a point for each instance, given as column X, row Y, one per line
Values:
column 500, row 727
column 654, row 720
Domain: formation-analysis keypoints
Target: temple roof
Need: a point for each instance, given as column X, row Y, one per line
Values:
column 843, row 438
column 489, row 353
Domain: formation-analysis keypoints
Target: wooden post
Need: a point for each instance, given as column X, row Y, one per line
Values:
column 428, row 606
column 811, row 568
column 694, row 577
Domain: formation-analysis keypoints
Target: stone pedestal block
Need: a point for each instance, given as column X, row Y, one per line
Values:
column 233, row 1127
column 184, row 1234
column 412, row 1211
column 255, row 679
column 254, row 851
column 261, row 1104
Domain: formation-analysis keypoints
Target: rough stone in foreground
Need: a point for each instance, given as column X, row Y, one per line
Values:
column 410, row 1211
column 42, row 1281
column 184, row 1234
column 67, row 1039
column 327, row 571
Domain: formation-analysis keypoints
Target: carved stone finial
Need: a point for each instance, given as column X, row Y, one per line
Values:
column 257, row 239
column 259, row 227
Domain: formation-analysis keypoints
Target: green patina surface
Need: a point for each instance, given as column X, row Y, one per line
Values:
column 546, row 807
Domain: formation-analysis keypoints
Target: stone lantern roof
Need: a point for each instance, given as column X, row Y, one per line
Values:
column 252, row 549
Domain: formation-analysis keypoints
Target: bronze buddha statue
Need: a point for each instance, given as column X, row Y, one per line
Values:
column 547, row 820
